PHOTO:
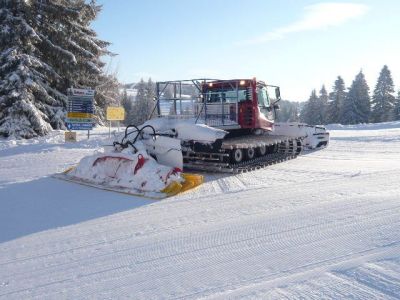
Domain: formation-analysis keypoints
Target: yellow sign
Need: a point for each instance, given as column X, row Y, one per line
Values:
column 115, row 113
column 79, row 115
column 70, row 136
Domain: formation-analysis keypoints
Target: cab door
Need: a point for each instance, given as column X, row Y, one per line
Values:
column 264, row 104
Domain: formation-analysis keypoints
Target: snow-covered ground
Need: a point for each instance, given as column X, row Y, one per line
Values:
column 324, row 226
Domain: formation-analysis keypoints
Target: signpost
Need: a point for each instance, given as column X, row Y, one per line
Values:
column 114, row 114
column 80, row 109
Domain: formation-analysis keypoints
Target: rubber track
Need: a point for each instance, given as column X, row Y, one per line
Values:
column 246, row 166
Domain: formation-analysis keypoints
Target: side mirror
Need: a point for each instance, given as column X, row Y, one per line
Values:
column 278, row 93
column 277, row 107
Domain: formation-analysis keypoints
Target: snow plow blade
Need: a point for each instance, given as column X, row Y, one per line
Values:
column 194, row 179
column 143, row 163
column 190, row 181
column 172, row 189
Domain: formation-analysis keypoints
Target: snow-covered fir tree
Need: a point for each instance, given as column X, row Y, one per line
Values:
column 397, row 107
column 336, row 100
column 46, row 46
column 107, row 94
column 383, row 99
column 127, row 104
column 288, row 111
column 322, row 107
column 151, row 93
column 144, row 102
column 357, row 104
column 307, row 114
column 293, row 112
column 168, row 92
column 315, row 109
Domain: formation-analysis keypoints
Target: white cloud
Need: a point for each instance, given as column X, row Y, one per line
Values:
column 317, row 16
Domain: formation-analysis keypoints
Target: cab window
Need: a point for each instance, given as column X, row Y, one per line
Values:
column 226, row 95
column 263, row 99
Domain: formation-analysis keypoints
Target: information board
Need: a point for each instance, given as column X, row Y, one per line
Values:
column 80, row 109
column 115, row 113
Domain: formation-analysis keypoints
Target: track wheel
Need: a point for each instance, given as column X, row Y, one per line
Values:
column 250, row 153
column 262, row 150
column 299, row 146
column 237, row 155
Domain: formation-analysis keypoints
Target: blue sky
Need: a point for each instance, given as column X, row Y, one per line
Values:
column 298, row 45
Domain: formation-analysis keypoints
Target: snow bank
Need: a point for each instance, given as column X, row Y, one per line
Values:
column 365, row 126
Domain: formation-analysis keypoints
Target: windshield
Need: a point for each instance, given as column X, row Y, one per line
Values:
column 263, row 98
column 226, row 95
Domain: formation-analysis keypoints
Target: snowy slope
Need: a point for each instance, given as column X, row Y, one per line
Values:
column 325, row 225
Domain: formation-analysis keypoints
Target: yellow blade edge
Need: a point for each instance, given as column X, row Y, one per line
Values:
column 66, row 171
column 172, row 189
column 195, row 178
column 190, row 181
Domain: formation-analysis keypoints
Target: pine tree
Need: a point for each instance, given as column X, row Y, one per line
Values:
column 144, row 102
column 308, row 114
column 108, row 94
column 292, row 114
column 288, row 111
column 383, row 99
column 45, row 47
column 357, row 105
column 150, row 97
column 322, row 106
column 397, row 107
column 314, row 111
column 127, row 104
column 168, row 94
column 336, row 100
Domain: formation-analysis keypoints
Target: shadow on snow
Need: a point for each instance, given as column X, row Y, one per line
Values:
column 47, row 203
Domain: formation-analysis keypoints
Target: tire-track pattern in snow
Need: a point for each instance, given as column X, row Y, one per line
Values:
column 214, row 208
column 239, row 248
column 199, row 246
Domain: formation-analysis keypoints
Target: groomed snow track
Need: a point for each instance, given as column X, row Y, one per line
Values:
column 324, row 226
